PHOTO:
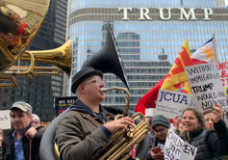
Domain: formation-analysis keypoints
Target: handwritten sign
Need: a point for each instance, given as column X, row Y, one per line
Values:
column 223, row 72
column 206, row 86
column 177, row 149
column 171, row 104
column 5, row 120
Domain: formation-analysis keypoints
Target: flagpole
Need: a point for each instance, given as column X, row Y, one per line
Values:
column 216, row 60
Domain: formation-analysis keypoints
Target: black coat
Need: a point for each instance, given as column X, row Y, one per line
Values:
column 211, row 144
column 8, row 145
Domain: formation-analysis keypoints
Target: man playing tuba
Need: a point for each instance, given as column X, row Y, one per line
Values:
column 85, row 130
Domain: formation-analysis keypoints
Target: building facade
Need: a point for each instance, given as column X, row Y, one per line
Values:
column 41, row 91
column 149, row 36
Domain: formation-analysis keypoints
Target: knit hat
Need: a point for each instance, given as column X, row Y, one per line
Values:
column 160, row 120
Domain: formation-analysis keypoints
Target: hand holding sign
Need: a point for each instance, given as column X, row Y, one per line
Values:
column 218, row 113
column 177, row 122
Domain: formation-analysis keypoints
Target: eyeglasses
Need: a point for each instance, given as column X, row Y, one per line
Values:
column 97, row 80
column 159, row 131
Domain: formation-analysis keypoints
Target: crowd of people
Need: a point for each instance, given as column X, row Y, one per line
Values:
column 206, row 131
column 87, row 126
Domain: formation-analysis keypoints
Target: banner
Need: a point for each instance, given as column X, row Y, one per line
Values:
column 206, row 86
column 171, row 103
column 177, row 149
column 62, row 103
column 5, row 120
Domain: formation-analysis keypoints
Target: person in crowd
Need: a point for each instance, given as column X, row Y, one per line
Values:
column 181, row 129
column 208, row 117
column 16, row 145
column 160, row 126
column 36, row 123
column 84, row 130
column 211, row 144
column 178, row 126
column 148, row 120
column 35, row 120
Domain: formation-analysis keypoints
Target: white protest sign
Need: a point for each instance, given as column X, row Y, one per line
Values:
column 188, row 152
column 177, row 149
column 206, row 86
column 5, row 120
column 171, row 104
column 149, row 112
column 223, row 72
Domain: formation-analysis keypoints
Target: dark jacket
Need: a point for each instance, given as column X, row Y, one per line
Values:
column 153, row 142
column 8, row 145
column 211, row 144
column 77, row 137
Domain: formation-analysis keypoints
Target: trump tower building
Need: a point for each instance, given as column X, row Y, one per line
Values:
column 149, row 36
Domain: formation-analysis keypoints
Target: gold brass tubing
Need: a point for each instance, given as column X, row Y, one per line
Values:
column 129, row 154
column 57, row 151
column 113, row 138
column 117, row 151
column 121, row 150
column 13, row 71
column 139, row 114
column 113, row 149
column 140, row 132
column 6, row 85
column 38, row 69
column 145, row 126
column 60, row 57
column 128, row 96
column 29, row 72
column 119, row 116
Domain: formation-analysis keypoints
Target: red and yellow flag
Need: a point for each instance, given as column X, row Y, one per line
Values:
column 175, row 79
column 177, row 75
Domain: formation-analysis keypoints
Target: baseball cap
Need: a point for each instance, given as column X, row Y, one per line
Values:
column 22, row 106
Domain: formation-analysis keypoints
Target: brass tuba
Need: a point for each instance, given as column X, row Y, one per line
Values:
column 122, row 149
column 20, row 20
column 107, row 60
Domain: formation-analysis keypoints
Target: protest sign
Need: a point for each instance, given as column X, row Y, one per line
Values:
column 62, row 103
column 171, row 104
column 149, row 112
column 5, row 120
column 177, row 149
column 223, row 72
column 188, row 152
column 206, row 86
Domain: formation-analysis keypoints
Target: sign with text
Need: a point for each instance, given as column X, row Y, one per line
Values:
column 171, row 104
column 5, row 120
column 62, row 103
column 177, row 149
column 223, row 71
column 206, row 86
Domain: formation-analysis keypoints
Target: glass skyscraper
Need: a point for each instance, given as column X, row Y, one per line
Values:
column 149, row 36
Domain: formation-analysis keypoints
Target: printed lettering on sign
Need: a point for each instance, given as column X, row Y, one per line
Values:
column 171, row 104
